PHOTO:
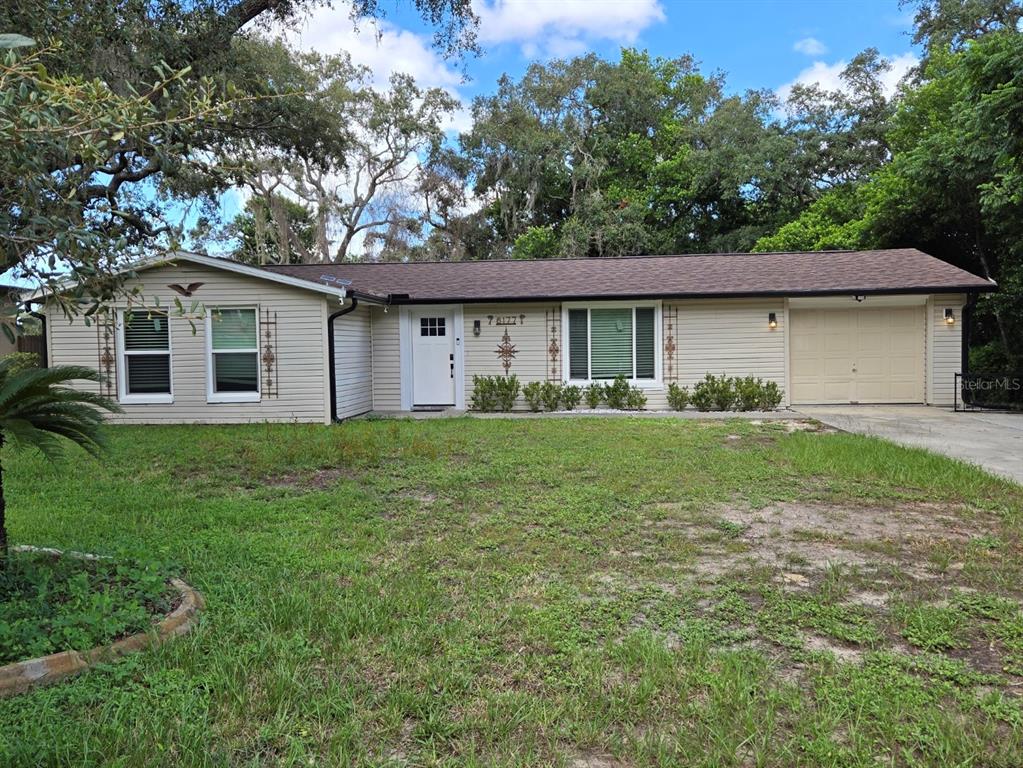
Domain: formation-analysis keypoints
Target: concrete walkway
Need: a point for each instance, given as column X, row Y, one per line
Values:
column 993, row 441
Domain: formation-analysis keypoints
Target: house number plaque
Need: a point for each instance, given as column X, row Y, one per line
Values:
column 506, row 319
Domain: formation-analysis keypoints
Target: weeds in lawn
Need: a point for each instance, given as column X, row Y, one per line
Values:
column 520, row 593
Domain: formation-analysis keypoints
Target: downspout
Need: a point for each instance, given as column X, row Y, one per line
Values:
column 43, row 354
column 332, row 362
column 971, row 302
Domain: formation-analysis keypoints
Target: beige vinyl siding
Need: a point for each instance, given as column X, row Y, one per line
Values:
column 944, row 348
column 712, row 336
column 530, row 336
column 300, row 348
column 727, row 336
column 353, row 356
column 384, row 328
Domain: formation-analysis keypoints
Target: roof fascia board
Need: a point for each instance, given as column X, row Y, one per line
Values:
column 736, row 295
column 250, row 271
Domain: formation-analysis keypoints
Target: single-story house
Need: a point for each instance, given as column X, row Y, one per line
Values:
column 321, row 342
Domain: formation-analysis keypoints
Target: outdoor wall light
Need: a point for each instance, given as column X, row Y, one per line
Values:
column 772, row 320
column 950, row 317
column 475, row 327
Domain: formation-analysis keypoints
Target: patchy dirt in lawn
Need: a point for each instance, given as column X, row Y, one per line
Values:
column 842, row 651
column 801, row 540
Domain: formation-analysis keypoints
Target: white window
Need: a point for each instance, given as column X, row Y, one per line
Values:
column 612, row 339
column 144, row 347
column 232, row 343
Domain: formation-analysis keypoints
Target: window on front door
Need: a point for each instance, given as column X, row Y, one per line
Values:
column 432, row 326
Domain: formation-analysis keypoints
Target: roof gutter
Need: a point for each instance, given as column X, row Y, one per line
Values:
column 404, row 298
column 332, row 361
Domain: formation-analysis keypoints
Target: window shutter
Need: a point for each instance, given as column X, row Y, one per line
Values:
column 644, row 342
column 611, row 337
column 578, row 351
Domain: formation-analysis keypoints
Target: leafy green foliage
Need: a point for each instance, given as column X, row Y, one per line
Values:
column 536, row 243
column 714, row 392
column 494, row 393
column 20, row 361
column 744, row 393
column 594, row 394
column 532, row 392
column 616, row 394
column 954, row 182
column 571, row 396
column 36, row 410
column 678, row 397
column 376, row 179
column 50, row 604
column 550, row 395
column 636, row 399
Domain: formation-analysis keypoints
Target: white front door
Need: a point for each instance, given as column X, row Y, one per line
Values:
column 433, row 357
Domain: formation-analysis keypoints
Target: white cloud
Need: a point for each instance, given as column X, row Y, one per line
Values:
column 811, row 46
column 564, row 28
column 380, row 45
column 385, row 49
column 828, row 76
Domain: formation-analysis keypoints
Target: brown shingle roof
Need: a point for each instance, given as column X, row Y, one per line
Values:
column 902, row 270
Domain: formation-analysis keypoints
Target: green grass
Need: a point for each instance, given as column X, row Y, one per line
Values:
column 52, row 604
column 516, row 593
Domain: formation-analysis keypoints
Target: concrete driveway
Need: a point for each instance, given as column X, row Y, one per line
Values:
column 992, row 440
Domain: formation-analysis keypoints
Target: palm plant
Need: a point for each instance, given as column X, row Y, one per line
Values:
column 37, row 411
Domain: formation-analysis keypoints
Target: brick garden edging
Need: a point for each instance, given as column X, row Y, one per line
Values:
column 22, row 675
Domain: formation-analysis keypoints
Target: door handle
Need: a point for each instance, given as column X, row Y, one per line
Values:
column 451, row 357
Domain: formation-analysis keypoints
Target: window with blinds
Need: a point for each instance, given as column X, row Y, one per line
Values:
column 234, row 351
column 145, row 354
column 605, row 342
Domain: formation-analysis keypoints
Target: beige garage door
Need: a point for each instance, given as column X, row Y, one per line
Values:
column 857, row 355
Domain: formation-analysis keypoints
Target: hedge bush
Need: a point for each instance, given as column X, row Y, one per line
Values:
column 494, row 393
column 724, row 393
column 678, row 397
column 571, row 396
column 533, row 393
column 550, row 395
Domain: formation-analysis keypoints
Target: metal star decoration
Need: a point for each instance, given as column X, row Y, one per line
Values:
column 506, row 351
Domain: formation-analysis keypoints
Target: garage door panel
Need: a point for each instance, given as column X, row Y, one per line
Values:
column 859, row 355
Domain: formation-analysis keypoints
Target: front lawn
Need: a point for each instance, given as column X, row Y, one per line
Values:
column 581, row 592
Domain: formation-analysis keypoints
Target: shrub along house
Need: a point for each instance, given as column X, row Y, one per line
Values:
column 321, row 342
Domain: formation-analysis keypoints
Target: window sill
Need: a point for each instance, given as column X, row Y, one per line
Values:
column 640, row 383
column 145, row 399
column 233, row 397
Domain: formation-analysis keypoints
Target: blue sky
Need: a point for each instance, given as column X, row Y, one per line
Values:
column 757, row 43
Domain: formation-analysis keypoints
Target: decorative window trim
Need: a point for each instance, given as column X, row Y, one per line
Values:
column 232, row 397
column 151, row 398
column 566, row 353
